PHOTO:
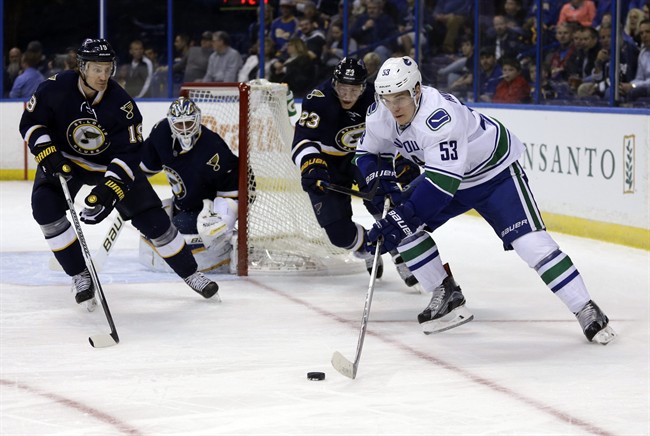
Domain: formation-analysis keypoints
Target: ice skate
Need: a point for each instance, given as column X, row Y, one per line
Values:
column 403, row 270
column 203, row 285
column 446, row 309
column 82, row 286
column 594, row 324
column 380, row 266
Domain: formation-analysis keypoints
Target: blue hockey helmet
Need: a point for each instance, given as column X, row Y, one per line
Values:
column 96, row 50
column 351, row 71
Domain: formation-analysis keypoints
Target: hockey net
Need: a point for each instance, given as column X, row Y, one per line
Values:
column 277, row 230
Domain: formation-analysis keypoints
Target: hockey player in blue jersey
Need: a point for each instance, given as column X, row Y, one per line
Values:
column 470, row 161
column 331, row 122
column 83, row 125
column 203, row 173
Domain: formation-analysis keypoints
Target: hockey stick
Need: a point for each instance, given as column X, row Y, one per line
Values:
column 351, row 192
column 339, row 362
column 100, row 340
column 108, row 243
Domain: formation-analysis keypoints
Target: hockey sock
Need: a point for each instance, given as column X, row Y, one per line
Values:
column 420, row 254
column 563, row 278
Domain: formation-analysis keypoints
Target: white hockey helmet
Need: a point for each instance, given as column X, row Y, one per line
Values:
column 398, row 75
column 184, row 118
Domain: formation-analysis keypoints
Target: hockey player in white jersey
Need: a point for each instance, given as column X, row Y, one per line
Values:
column 469, row 162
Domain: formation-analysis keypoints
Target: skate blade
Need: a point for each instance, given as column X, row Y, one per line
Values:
column 456, row 317
column 605, row 336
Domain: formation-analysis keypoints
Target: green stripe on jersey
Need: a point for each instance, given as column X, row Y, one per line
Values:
column 443, row 181
column 503, row 146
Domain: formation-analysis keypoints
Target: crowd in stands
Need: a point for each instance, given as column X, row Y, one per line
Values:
column 304, row 41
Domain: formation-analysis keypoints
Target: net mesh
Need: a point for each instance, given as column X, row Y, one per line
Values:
column 283, row 234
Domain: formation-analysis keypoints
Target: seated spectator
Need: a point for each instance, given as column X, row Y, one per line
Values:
column 548, row 90
column 557, row 58
column 513, row 88
column 506, row 41
column 640, row 85
column 333, row 50
column 26, row 82
column 632, row 20
column 195, row 62
column 489, row 75
column 373, row 62
column 580, row 12
column 284, row 27
column 12, row 69
column 225, row 62
column 373, row 29
column 407, row 22
column 458, row 76
column 298, row 71
column 250, row 69
column 137, row 75
column 314, row 37
column 37, row 48
column 514, row 14
column 581, row 63
column 309, row 11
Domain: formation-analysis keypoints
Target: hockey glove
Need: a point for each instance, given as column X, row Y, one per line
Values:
column 52, row 161
column 398, row 224
column 313, row 170
column 101, row 201
column 405, row 170
column 387, row 186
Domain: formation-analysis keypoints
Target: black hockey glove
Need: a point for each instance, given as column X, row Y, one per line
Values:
column 52, row 161
column 405, row 170
column 398, row 224
column 101, row 201
column 313, row 170
column 387, row 186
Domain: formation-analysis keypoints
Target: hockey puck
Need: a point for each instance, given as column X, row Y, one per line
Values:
column 316, row 376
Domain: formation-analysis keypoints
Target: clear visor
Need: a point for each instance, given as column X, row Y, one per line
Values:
column 348, row 92
column 396, row 101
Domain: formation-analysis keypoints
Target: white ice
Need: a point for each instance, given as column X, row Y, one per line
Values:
column 189, row 366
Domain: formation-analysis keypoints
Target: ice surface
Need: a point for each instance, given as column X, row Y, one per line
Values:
column 188, row 366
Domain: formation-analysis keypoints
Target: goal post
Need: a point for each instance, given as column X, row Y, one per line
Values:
column 276, row 230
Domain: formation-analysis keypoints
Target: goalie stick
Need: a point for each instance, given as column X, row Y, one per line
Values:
column 99, row 340
column 339, row 362
column 104, row 250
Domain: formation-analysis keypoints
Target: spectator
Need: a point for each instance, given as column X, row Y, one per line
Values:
column 138, row 74
column 284, row 27
column 513, row 88
column 640, row 86
column 314, row 37
column 550, row 12
column 581, row 63
column 452, row 16
column 181, row 46
column 514, row 14
column 13, row 68
column 310, row 12
column 557, row 58
column 406, row 23
column 580, row 12
column 250, row 69
column 42, row 64
column 333, row 50
column 458, row 76
column 225, row 62
column 195, row 62
column 600, row 82
column 634, row 17
column 505, row 40
column 298, row 71
column 372, row 62
column 548, row 90
column 489, row 74
column 254, row 28
column 373, row 29
column 26, row 83
column 158, row 86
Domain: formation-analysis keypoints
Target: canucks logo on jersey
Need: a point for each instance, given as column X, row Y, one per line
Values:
column 87, row 137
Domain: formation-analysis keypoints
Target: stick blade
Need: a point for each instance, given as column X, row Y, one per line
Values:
column 103, row 340
column 343, row 365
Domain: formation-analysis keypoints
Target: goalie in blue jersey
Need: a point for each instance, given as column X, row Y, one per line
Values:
column 325, row 140
column 82, row 124
column 203, row 173
column 470, row 161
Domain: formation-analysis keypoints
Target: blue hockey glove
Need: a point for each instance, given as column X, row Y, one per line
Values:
column 52, row 161
column 387, row 186
column 101, row 201
column 398, row 224
column 313, row 170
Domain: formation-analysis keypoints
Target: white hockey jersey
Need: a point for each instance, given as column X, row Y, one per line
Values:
column 458, row 147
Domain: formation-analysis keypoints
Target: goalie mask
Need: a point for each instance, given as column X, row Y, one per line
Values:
column 184, row 118
column 95, row 50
